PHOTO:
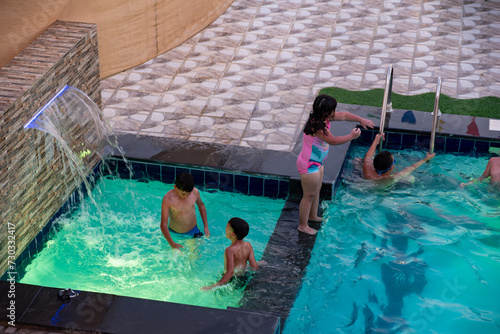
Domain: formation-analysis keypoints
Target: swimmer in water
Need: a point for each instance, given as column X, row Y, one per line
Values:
column 178, row 213
column 238, row 254
column 381, row 166
column 491, row 171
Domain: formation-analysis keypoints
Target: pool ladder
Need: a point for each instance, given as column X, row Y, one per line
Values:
column 387, row 101
column 387, row 108
column 436, row 113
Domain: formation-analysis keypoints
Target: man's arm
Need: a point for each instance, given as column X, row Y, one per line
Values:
column 347, row 116
column 369, row 171
column 165, row 209
column 405, row 172
column 203, row 211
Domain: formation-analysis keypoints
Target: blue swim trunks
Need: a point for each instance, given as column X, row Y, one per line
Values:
column 195, row 232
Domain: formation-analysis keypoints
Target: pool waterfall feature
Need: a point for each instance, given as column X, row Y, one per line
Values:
column 65, row 54
column 71, row 141
column 62, row 120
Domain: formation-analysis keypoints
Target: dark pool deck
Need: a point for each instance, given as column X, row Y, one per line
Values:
column 106, row 313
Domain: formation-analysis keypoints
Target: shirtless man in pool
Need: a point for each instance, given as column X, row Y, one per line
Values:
column 178, row 206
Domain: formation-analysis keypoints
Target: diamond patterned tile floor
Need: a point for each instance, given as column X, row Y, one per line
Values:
column 249, row 78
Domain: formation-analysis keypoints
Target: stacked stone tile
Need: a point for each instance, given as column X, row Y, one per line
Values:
column 31, row 182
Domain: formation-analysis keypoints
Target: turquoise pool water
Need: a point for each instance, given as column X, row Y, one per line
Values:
column 117, row 247
column 420, row 257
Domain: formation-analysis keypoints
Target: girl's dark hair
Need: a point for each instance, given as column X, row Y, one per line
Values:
column 323, row 106
column 240, row 227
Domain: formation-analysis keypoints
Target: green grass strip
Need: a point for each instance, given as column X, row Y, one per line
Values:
column 488, row 107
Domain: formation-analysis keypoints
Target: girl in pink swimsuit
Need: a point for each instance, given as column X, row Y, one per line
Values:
column 317, row 139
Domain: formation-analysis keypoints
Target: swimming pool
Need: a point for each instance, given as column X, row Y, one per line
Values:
column 420, row 257
column 117, row 247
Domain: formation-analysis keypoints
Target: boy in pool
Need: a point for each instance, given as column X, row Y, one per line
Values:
column 178, row 206
column 491, row 171
column 238, row 254
column 381, row 166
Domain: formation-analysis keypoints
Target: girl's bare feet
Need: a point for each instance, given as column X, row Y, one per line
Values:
column 316, row 219
column 307, row 230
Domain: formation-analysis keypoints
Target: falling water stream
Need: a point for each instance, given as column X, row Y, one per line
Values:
column 81, row 134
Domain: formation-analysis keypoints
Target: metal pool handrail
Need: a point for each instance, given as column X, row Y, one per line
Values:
column 435, row 113
column 387, row 101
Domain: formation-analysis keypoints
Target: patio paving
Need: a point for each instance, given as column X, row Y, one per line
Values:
column 250, row 77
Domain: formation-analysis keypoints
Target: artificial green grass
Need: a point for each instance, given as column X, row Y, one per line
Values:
column 482, row 107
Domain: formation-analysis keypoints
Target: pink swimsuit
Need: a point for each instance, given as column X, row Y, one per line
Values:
column 313, row 154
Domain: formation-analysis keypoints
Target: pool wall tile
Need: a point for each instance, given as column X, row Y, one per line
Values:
column 167, row 174
column 466, row 145
column 199, row 177
column 140, row 171
column 45, row 231
column 482, row 146
column 495, row 145
column 32, row 248
column 226, row 182
column 271, row 188
column 180, row 170
column 366, row 136
column 211, row 180
column 452, row 145
column 241, row 183
column 423, row 141
column 206, row 178
column 39, row 242
column 283, row 189
column 394, row 139
column 154, row 171
column 439, row 143
column 409, row 139
column 256, row 186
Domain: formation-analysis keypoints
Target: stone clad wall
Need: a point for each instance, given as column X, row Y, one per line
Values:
column 32, row 176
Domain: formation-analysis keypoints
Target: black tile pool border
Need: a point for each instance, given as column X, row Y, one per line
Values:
column 442, row 144
column 93, row 312
column 206, row 178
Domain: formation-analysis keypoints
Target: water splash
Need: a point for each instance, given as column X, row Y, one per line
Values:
column 81, row 134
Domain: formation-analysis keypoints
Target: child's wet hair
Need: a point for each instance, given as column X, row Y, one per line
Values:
column 240, row 227
column 323, row 107
column 383, row 161
column 184, row 182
